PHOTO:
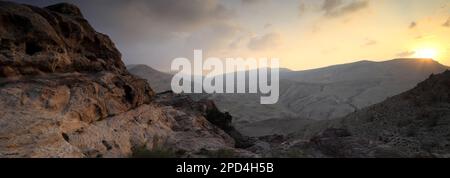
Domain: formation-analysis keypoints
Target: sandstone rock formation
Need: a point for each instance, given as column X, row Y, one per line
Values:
column 65, row 92
column 51, row 40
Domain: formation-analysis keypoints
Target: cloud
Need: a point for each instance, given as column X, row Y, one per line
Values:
column 353, row 7
column 270, row 40
column 134, row 21
column 405, row 54
column 307, row 6
column 249, row 2
column 160, row 19
column 447, row 23
column 335, row 8
column 301, row 9
column 235, row 43
column 329, row 50
column 370, row 42
column 331, row 5
column 267, row 25
column 412, row 25
column 216, row 37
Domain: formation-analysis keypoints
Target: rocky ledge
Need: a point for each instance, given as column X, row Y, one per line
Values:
column 65, row 92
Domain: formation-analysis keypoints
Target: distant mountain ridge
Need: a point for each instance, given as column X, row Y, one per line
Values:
column 324, row 93
column 405, row 68
column 160, row 81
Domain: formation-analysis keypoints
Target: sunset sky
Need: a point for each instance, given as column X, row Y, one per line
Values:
column 303, row 34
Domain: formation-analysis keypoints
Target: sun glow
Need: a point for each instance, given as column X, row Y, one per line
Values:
column 429, row 53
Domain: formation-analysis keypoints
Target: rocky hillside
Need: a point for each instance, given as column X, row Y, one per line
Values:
column 336, row 91
column 65, row 92
column 413, row 124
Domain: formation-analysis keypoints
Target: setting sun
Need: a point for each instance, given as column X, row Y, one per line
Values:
column 426, row 53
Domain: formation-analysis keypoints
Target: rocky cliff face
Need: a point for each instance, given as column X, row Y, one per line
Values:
column 65, row 92
column 56, row 39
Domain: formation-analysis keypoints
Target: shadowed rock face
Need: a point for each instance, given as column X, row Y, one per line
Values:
column 64, row 92
column 54, row 39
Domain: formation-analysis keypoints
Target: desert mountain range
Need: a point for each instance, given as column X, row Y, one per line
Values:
column 65, row 92
column 319, row 94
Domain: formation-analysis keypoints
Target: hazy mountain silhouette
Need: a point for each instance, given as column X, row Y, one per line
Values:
column 160, row 81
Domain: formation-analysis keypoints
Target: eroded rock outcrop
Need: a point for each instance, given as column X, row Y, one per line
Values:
column 54, row 39
column 65, row 92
